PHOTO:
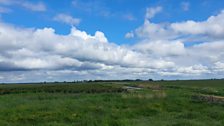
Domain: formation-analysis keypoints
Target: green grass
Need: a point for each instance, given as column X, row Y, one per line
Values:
column 164, row 103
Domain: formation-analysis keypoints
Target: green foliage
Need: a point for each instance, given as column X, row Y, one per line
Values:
column 157, row 103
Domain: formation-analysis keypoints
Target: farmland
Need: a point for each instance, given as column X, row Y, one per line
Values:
column 131, row 103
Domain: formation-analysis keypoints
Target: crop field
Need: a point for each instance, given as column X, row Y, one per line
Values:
column 131, row 103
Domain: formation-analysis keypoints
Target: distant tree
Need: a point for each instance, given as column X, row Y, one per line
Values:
column 138, row 80
column 126, row 80
column 150, row 80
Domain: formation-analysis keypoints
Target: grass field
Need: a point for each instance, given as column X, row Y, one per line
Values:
column 160, row 103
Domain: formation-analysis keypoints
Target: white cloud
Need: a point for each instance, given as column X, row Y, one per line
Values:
column 167, row 41
column 99, row 36
column 194, row 70
column 219, row 66
column 161, row 48
column 152, row 11
column 129, row 35
column 161, row 52
column 38, row 6
column 44, row 50
column 67, row 19
column 33, row 45
column 34, row 6
column 212, row 28
column 154, row 31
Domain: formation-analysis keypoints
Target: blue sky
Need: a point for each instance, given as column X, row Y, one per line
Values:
column 99, row 39
column 121, row 16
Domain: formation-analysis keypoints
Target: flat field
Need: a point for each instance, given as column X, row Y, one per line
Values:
column 133, row 103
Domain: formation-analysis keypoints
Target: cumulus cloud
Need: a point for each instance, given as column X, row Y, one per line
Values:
column 161, row 48
column 43, row 49
column 160, row 52
column 219, row 66
column 65, row 18
column 152, row 11
column 154, row 31
column 212, row 28
column 129, row 35
column 168, row 41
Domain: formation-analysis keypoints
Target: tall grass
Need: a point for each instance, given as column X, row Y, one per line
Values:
column 99, row 104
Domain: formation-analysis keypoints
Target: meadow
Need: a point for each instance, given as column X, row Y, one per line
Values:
column 131, row 103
